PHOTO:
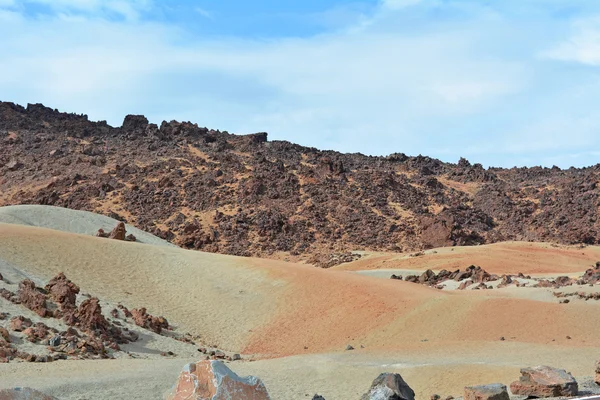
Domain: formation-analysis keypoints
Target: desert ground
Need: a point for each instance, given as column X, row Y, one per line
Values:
column 293, row 322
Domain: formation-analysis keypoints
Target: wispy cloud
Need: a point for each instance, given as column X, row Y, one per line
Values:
column 203, row 12
column 128, row 9
column 582, row 45
column 457, row 79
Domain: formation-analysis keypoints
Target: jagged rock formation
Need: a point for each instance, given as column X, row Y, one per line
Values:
column 214, row 191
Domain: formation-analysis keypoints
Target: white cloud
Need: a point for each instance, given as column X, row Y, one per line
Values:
column 470, row 86
column 582, row 46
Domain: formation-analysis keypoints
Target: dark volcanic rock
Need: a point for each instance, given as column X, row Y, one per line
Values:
column 248, row 196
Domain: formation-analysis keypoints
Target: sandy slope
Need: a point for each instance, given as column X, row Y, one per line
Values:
column 439, row 340
column 66, row 220
column 499, row 258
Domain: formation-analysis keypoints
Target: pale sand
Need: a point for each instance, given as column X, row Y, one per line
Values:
column 499, row 258
column 335, row 376
column 440, row 341
column 67, row 220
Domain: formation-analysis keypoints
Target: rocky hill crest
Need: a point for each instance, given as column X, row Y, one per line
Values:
column 244, row 195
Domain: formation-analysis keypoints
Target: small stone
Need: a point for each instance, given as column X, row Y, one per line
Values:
column 219, row 354
column 55, row 341
column 349, row 347
column 236, row 357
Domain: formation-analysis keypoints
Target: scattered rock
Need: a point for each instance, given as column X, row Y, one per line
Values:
column 19, row 323
column 349, row 347
column 494, row 391
column 213, row 380
column 389, row 387
column 544, row 381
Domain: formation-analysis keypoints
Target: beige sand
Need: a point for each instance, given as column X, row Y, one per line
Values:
column 298, row 319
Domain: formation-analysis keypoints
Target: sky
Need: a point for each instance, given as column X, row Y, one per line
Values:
column 499, row 82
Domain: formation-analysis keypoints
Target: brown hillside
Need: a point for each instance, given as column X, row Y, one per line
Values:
column 243, row 195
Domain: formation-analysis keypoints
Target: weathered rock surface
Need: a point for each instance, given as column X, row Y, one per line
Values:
column 544, row 381
column 24, row 394
column 389, row 387
column 494, row 391
column 119, row 232
column 212, row 380
column 597, row 376
column 64, row 293
column 31, row 298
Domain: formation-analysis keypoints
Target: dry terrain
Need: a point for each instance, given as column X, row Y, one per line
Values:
column 292, row 322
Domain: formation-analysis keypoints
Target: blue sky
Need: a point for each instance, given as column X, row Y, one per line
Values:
column 500, row 82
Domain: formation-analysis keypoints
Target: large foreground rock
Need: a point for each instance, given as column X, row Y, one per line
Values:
column 23, row 394
column 545, row 381
column 389, row 387
column 494, row 391
column 597, row 377
column 212, row 380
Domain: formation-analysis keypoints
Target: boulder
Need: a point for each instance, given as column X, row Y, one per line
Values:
column 494, row 391
column 212, row 380
column 23, row 394
column 389, row 387
column 119, row 232
column 544, row 381
column 63, row 292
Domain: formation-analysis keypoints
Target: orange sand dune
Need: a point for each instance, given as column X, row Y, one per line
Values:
column 271, row 308
column 499, row 258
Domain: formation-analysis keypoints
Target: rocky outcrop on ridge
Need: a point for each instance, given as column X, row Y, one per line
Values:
column 244, row 195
